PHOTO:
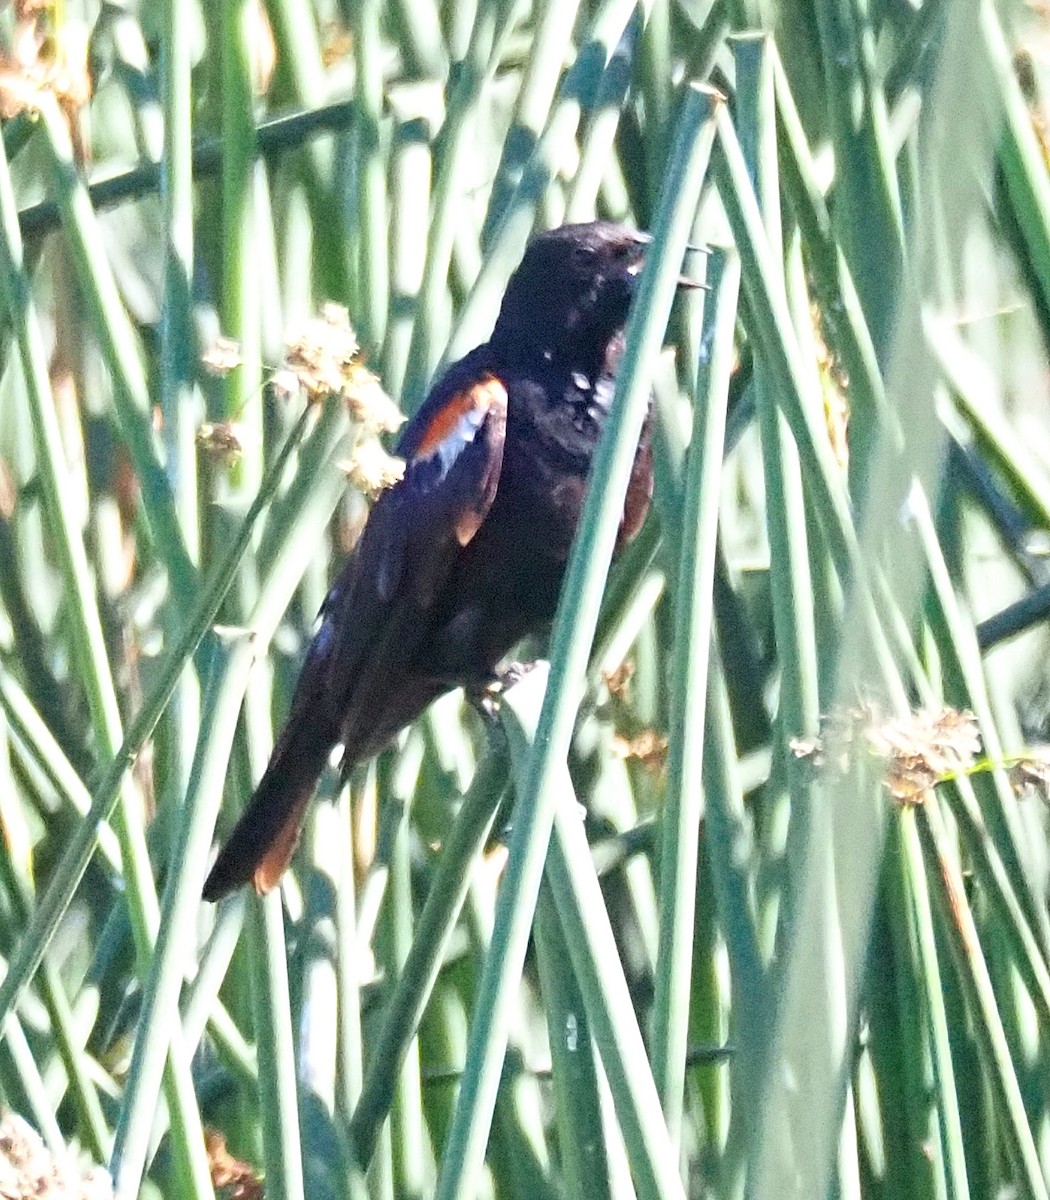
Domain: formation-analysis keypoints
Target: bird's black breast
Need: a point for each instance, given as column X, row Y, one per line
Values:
column 506, row 582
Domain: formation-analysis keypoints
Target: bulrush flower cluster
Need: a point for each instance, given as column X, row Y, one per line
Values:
column 222, row 356
column 924, row 748
column 321, row 356
column 1031, row 773
column 648, row 748
column 371, row 470
column 222, row 441
column 43, row 62
column 919, row 750
column 322, row 359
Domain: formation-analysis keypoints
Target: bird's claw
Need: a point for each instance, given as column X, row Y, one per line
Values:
column 485, row 702
column 485, row 697
column 513, row 673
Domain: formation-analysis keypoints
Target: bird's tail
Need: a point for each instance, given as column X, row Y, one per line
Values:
column 264, row 839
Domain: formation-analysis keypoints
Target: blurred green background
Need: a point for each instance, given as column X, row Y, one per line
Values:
column 795, row 942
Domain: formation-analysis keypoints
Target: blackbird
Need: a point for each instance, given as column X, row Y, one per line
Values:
column 466, row 554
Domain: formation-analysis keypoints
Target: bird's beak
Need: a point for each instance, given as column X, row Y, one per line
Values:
column 684, row 281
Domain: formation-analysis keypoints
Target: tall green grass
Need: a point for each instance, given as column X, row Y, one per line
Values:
column 663, row 929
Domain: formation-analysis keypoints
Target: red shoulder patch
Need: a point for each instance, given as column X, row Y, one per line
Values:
column 470, row 405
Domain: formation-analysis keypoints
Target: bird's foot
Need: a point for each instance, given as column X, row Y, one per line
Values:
column 513, row 673
column 485, row 695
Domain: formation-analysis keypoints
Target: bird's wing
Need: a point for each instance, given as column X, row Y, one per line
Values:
column 453, row 453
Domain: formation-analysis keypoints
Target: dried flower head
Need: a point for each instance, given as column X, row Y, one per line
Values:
column 29, row 1168
column 324, row 360
column 323, row 355
column 924, row 748
column 222, row 440
column 222, row 356
column 920, row 750
column 1031, row 773
column 336, row 44
column 43, row 63
column 370, row 469
column 648, row 749
column 234, row 1177
column 369, row 404
column 618, row 681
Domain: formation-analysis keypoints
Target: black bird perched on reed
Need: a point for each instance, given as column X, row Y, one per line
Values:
column 465, row 555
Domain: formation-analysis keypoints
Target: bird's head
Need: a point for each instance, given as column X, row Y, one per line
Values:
column 571, row 293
